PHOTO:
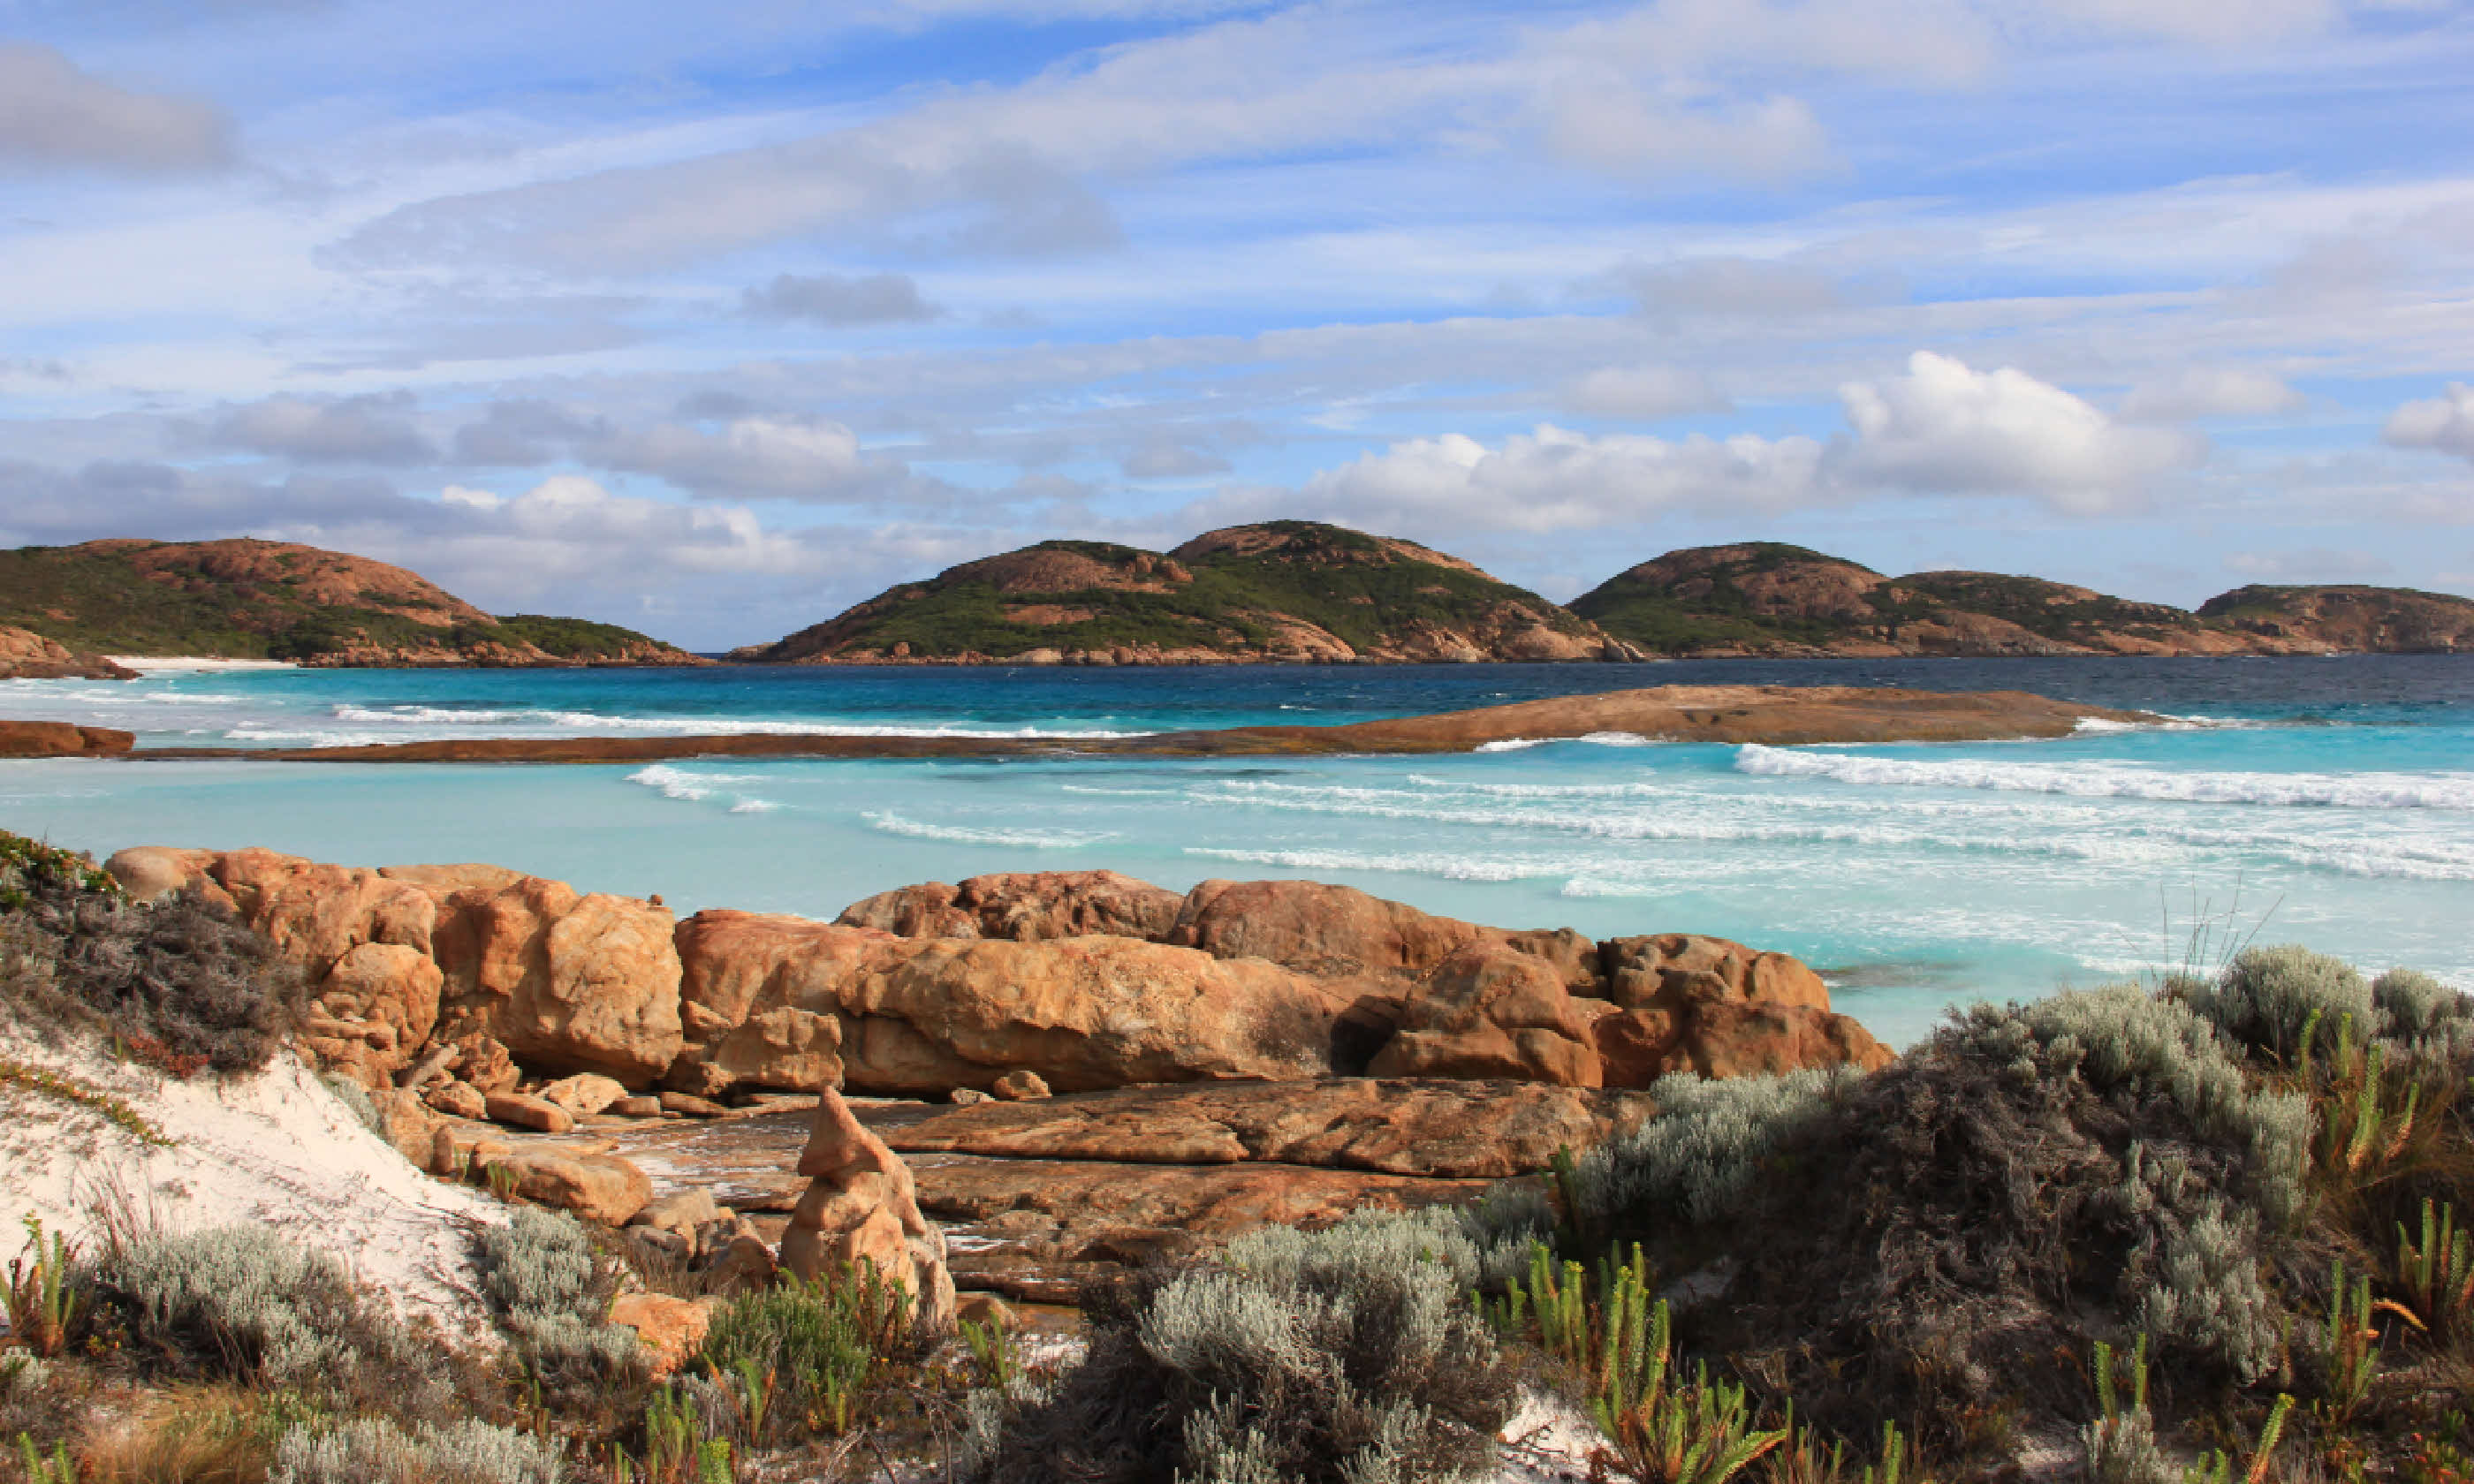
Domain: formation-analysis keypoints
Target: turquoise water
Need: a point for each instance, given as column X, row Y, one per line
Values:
column 2326, row 802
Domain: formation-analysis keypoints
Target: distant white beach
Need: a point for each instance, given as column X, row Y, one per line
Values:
column 154, row 664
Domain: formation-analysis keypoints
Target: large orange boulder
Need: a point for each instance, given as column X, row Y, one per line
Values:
column 1681, row 1002
column 567, row 982
column 1343, row 934
column 1490, row 1011
column 862, row 1205
column 374, row 1010
column 932, row 1014
column 761, row 999
column 1024, row 907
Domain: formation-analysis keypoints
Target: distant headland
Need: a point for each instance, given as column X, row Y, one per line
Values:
column 1280, row 592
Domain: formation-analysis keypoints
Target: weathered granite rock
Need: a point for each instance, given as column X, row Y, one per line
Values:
column 1490, row 1011
column 28, row 655
column 407, row 1123
column 1680, row 1003
column 567, row 982
column 671, row 1329
column 484, row 1063
column 1023, row 907
column 61, row 739
column 1020, row 1085
column 1461, row 1129
column 1667, row 970
column 458, row 1099
column 760, row 1000
column 583, row 1094
column 862, row 1207
column 517, row 1110
column 374, row 1010
column 595, row 1186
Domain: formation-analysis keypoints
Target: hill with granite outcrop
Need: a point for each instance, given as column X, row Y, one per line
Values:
column 1771, row 599
column 249, row 599
column 1291, row 591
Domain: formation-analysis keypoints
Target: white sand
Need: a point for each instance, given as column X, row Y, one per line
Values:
column 184, row 664
column 275, row 1148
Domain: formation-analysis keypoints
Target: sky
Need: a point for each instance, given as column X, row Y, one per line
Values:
column 712, row 321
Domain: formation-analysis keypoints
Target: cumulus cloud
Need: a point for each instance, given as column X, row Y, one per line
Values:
column 1947, row 428
column 370, row 429
column 1647, row 391
column 1942, row 428
column 2444, row 423
column 1553, row 479
column 829, row 299
column 55, row 115
column 523, row 433
column 2218, row 392
column 763, row 458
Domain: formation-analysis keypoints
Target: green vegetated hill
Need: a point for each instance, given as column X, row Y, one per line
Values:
column 248, row 599
column 1283, row 591
column 1769, row 598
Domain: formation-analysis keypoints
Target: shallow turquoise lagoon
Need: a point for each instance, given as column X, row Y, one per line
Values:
column 2326, row 802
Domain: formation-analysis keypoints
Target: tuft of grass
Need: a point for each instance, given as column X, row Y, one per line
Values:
column 798, row 1358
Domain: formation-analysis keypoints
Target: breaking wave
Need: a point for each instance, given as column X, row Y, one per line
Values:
column 2119, row 780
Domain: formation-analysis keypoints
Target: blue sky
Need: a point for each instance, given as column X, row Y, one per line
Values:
column 714, row 320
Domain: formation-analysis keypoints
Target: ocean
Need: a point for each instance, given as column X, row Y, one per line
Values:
column 2326, row 802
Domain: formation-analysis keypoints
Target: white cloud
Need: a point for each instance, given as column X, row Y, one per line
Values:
column 2444, row 423
column 831, row 298
column 766, row 458
column 1943, row 429
column 1171, row 458
column 1647, row 391
column 55, row 115
column 2222, row 393
column 369, row 429
column 1947, row 428
column 1553, row 479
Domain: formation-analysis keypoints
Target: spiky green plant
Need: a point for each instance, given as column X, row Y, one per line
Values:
column 2217, row 1467
column 2349, row 1350
column 42, row 1304
column 2438, row 1273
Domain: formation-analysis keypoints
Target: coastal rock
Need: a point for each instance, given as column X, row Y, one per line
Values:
column 583, row 1094
column 595, row 1186
column 458, row 1099
column 1459, row 1129
column 61, row 739
column 567, row 982
column 1490, row 1011
column 516, row 1109
column 1343, row 934
column 761, row 996
column 407, row 1123
column 374, row 1010
column 28, row 655
column 1681, row 1002
column 484, row 1063
column 1020, row 1085
column 930, row 1015
column 671, row 1329
column 1024, row 907
column 151, row 872
column 862, row 1206
column 1668, row 970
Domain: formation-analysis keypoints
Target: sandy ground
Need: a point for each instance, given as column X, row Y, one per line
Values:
column 184, row 664
column 275, row 1148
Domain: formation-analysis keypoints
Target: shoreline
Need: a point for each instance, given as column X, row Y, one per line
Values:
column 1778, row 715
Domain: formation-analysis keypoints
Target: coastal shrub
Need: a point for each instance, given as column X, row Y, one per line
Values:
column 372, row 1450
column 801, row 1355
column 2266, row 997
column 1934, row 1240
column 241, row 1302
column 1701, row 1159
column 180, row 984
column 1346, row 1355
column 550, row 1288
column 2423, row 1014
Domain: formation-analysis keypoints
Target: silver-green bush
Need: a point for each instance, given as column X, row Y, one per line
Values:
column 2423, row 1014
column 1350, row 1355
column 2265, row 997
column 1701, row 1158
column 242, row 1299
column 372, row 1451
column 552, row 1292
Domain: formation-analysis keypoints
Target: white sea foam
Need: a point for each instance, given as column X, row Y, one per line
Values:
column 892, row 823
column 693, row 726
column 2120, row 780
column 754, row 806
column 1594, row 738
column 1450, row 868
column 193, row 664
